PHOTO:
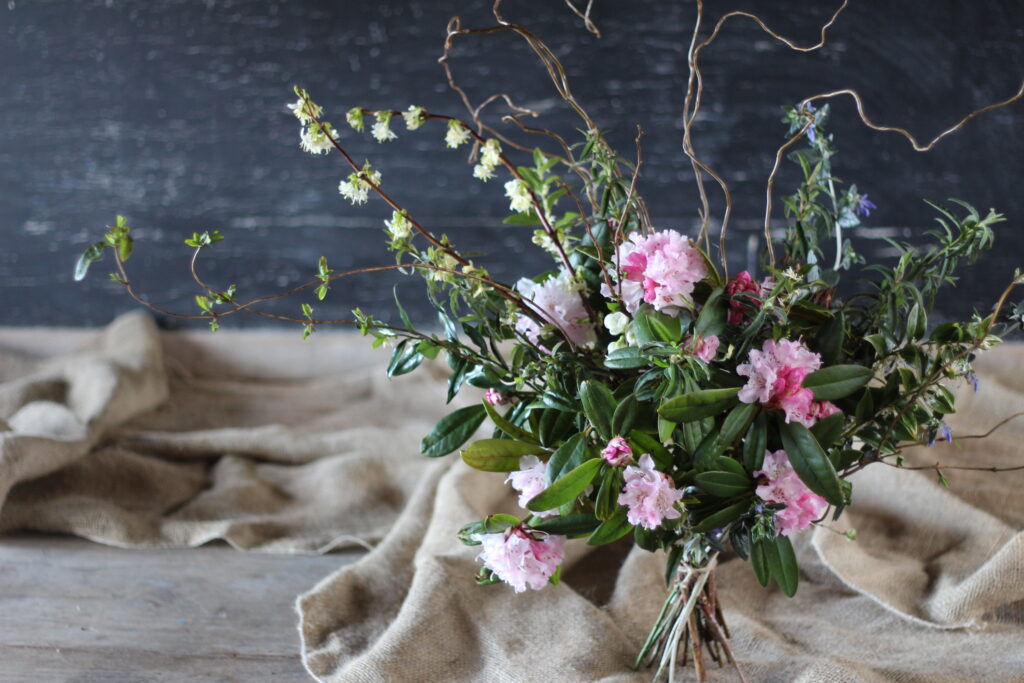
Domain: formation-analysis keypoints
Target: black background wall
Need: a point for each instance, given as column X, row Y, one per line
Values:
column 173, row 113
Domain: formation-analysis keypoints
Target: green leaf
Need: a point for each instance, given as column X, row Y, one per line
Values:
column 404, row 360
column 810, row 462
column 736, row 422
column 645, row 443
column 917, row 322
column 204, row 303
column 527, row 218
column 612, row 529
column 624, row 415
column 719, row 519
column 829, row 342
column 782, row 565
column 571, row 453
column 504, row 425
column 88, row 257
column 837, row 381
column 711, row 320
column 828, row 431
column 755, row 444
column 452, row 431
column 625, row 359
column 759, row 563
column 498, row 455
column 653, row 327
column 567, row 487
column 606, row 501
column 569, row 525
column 401, row 309
column 724, row 484
column 599, row 406
column 699, row 404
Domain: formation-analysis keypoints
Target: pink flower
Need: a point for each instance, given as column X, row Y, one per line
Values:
column 649, row 494
column 617, row 453
column 704, row 348
column 780, row 484
column 822, row 409
column 775, row 376
column 558, row 300
column 529, row 481
column 519, row 559
column 660, row 268
column 495, row 397
column 741, row 283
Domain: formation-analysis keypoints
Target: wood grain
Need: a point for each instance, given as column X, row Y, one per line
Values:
column 71, row 610
column 172, row 112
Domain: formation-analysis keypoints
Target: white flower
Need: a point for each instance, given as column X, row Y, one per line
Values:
column 616, row 323
column 381, row 130
column 491, row 154
column 399, row 225
column 519, row 195
column 354, row 116
column 306, row 110
column 482, row 172
column 414, row 117
column 456, row 135
column 441, row 259
column 314, row 139
column 355, row 188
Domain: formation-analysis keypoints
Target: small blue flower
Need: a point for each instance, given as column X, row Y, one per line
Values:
column 864, row 206
column 973, row 379
column 758, row 509
column 812, row 134
column 947, row 433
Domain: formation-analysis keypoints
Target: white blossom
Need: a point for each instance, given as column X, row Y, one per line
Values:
column 414, row 117
column 519, row 196
column 491, row 154
column 355, row 188
column 616, row 323
column 306, row 110
column 457, row 134
column 399, row 225
column 381, row 130
column 315, row 140
column 482, row 172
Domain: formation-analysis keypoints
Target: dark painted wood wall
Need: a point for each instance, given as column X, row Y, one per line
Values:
column 173, row 113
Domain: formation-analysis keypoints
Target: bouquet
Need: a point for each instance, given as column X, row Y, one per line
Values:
column 638, row 388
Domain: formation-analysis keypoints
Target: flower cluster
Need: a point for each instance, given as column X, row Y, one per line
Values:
column 521, row 558
column 660, row 269
column 557, row 301
column 779, row 483
column 649, row 495
column 775, row 379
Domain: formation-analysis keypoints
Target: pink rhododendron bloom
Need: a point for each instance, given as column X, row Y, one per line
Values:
column 775, row 376
column 660, row 268
column 704, row 348
column 617, row 453
column 530, row 480
column 649, row 494
column 779, row 483
column 495, row 397
column 519, row 559
column 741, row 283
column 558, row 300
column 822, row 409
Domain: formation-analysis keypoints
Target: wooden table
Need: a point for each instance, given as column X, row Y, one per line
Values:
column 71, row 610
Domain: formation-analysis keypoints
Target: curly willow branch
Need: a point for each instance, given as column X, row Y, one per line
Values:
column 694, row 92
column 692, row 105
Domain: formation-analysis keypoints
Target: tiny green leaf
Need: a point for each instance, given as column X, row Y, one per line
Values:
column 498, row 455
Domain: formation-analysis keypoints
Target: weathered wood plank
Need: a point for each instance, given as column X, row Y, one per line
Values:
column 71, row 610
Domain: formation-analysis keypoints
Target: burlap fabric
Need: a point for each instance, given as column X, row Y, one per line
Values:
column 273, row 444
